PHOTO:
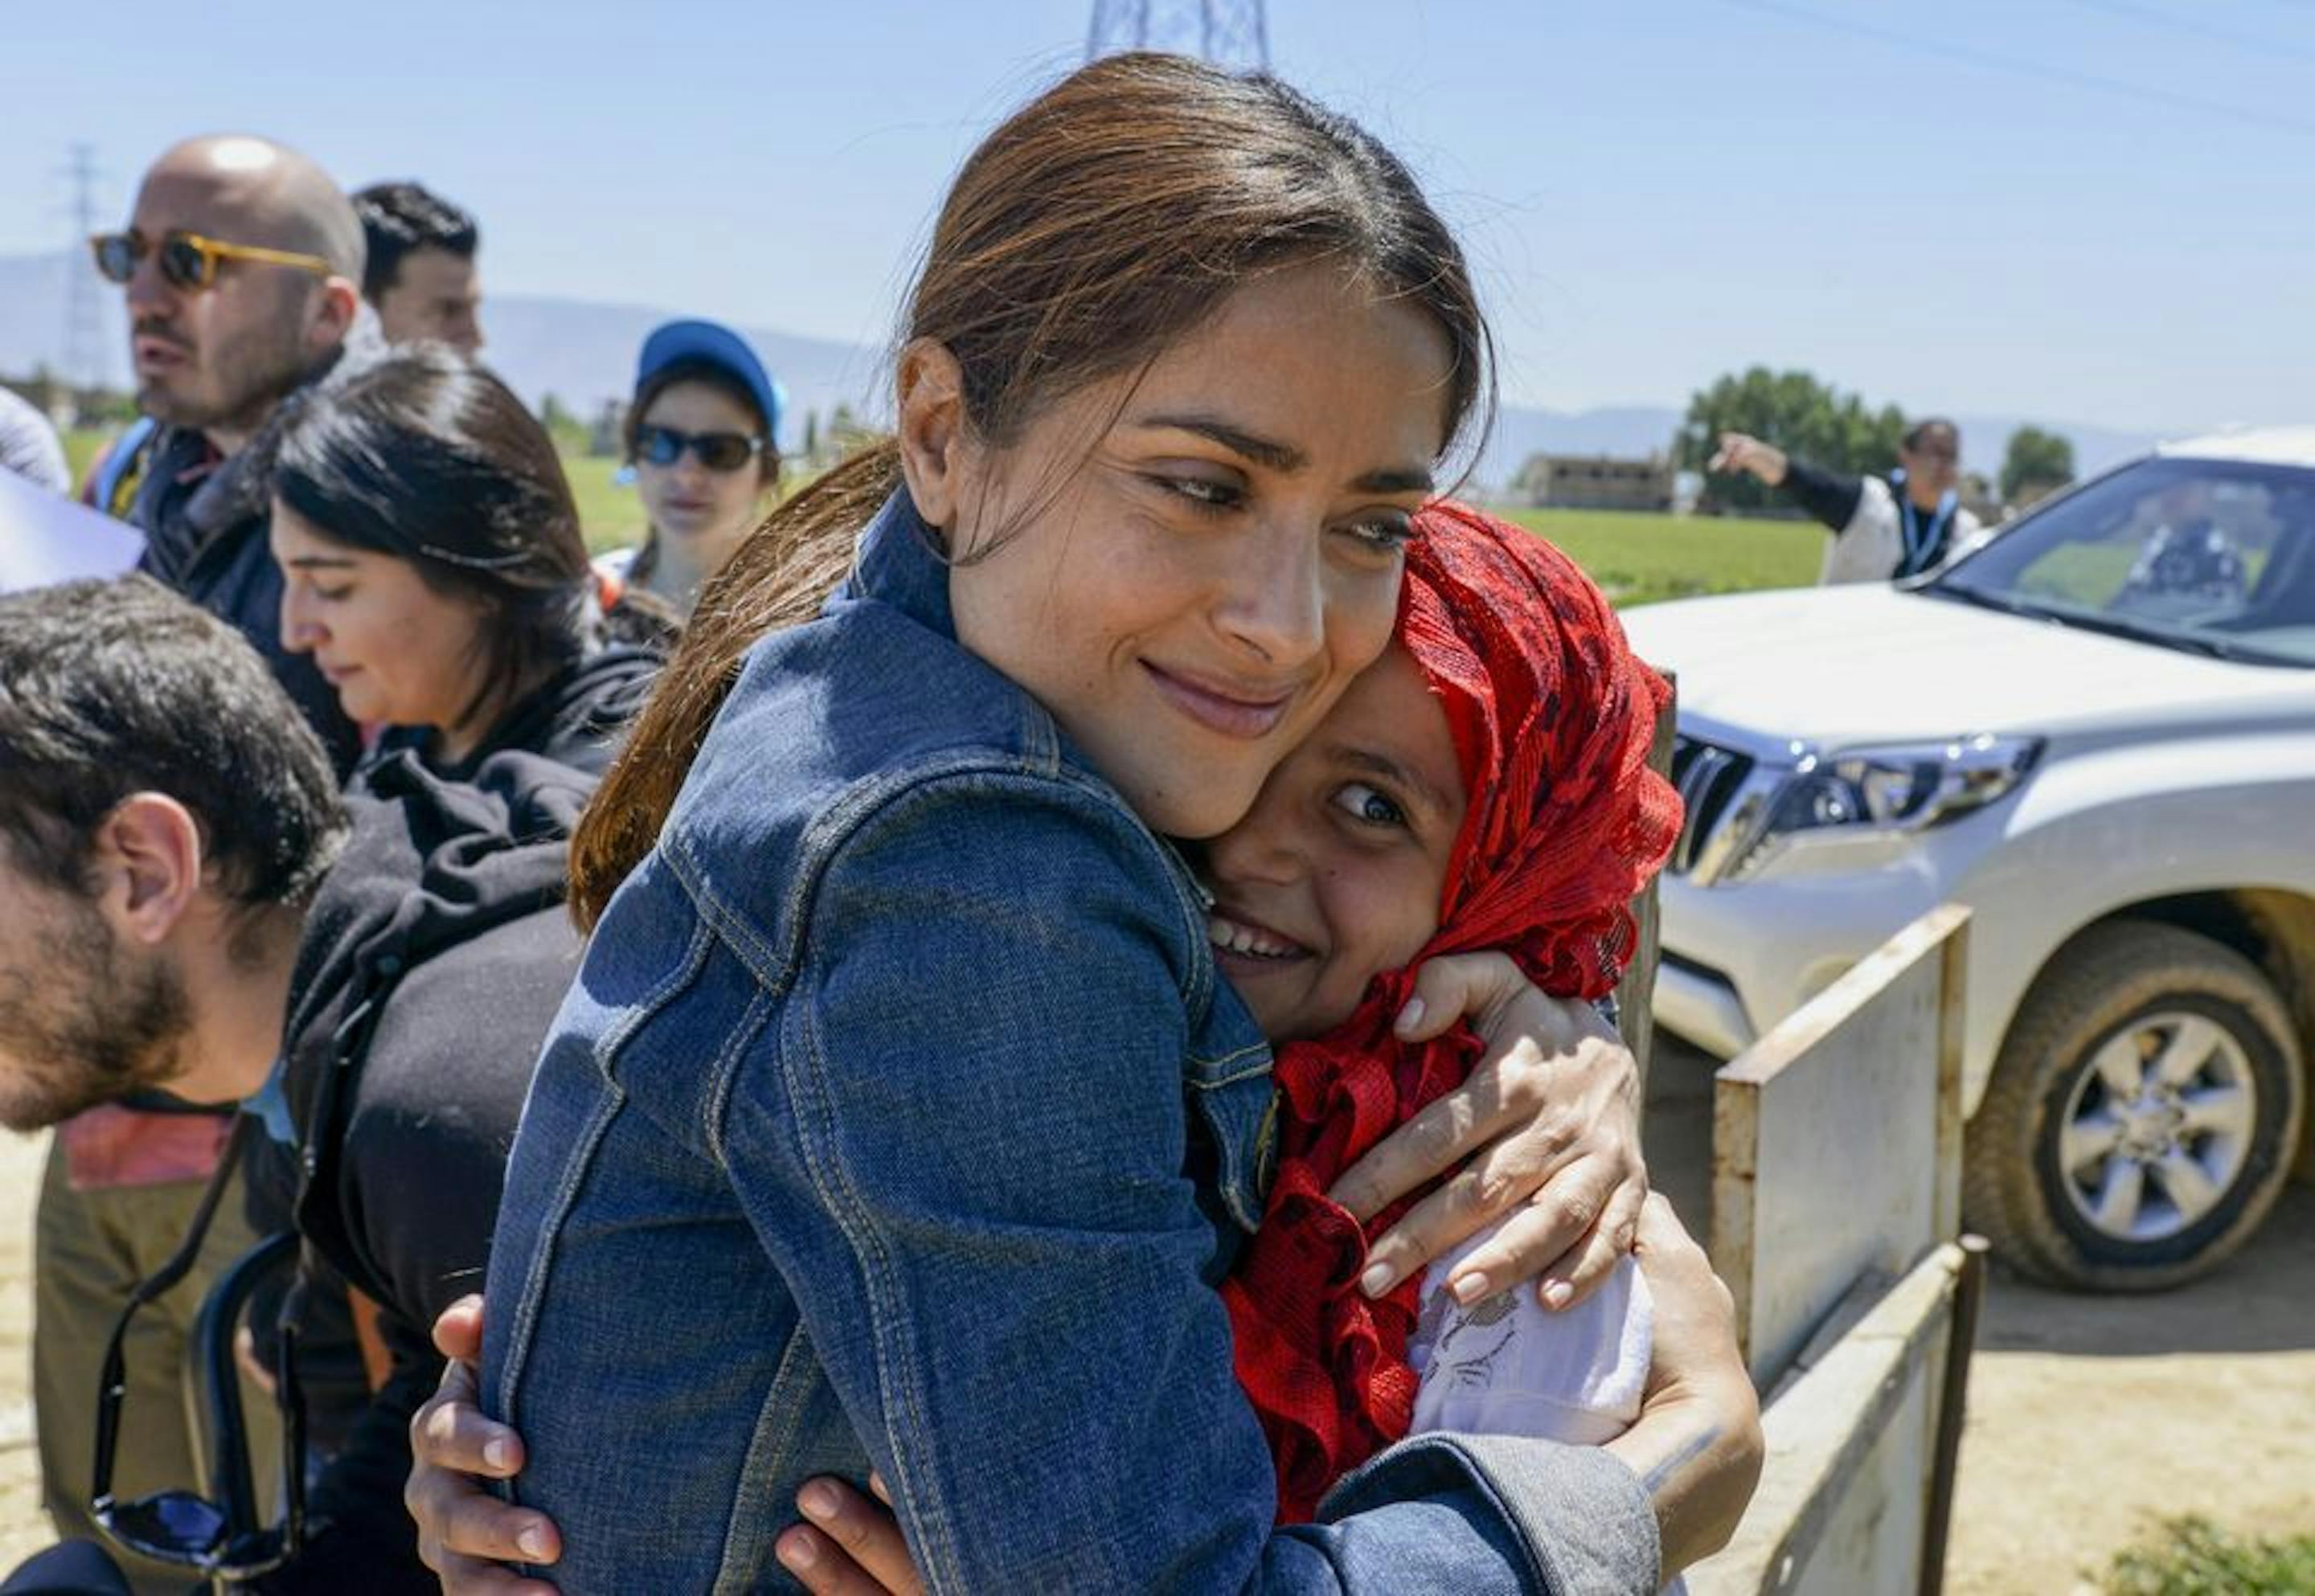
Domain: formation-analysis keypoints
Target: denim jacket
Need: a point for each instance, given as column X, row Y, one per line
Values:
column 898, row 1120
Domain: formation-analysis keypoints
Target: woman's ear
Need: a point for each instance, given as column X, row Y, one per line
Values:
column 935, row 446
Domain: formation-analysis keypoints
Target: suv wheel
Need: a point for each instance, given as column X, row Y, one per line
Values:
column 2142, row 1114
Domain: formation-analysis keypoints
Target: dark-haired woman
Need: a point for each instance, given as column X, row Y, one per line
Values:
column 702, row 441
column 433, row 568
column 899, row 1041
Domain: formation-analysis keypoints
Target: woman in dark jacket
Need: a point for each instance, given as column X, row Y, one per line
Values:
column 433, row 568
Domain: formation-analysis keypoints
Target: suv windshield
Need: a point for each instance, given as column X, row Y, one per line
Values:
column 2211, row 556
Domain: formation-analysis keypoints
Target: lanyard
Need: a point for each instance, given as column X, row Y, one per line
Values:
column 1920, row 542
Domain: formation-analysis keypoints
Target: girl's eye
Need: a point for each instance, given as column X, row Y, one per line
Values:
column 1365, row 804
column 1385, row 534
column 331, row 595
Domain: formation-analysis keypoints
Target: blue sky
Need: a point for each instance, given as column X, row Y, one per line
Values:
column 2090, row 210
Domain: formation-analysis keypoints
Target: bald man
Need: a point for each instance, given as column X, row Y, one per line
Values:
column 241, row 264
column 219, row 359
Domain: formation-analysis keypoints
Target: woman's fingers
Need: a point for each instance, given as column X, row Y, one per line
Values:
column 1457, row 986
column 450, row 1431
column 1490, row 1187
column 1586, row 1267
column 464, row 1576
column 852, row 1546
column 1536, row 1049
column 467, row 1521
column 451, row 1442
column 1445, row 1132
column 459, row 1333
column 821, row 1567
column 1532, row 1246
column 1695, row 1323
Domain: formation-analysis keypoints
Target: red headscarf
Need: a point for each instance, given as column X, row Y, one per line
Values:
column 1552, row 717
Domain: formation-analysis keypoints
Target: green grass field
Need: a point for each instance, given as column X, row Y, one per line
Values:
column 611, row 515
column 1637, row 558
column 1642, row 558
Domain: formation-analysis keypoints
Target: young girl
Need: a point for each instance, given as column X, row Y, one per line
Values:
column 703, row 440
column 1483, row 785
column 902, row 1042
column 431, row 565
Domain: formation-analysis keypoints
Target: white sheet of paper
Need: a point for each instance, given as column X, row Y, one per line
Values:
column 45, row 538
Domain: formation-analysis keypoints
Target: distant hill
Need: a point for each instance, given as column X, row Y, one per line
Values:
column 584, row 352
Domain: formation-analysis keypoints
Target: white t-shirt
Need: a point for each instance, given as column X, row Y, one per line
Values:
column 1508, row 1366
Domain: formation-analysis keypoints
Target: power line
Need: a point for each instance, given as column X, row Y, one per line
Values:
column 84, row 352
column 2154, row 18
column 1922, row 44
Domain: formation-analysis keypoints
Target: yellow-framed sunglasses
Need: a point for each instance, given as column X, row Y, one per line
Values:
column 188, row 261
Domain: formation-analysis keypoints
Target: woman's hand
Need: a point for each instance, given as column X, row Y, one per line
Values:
column 1546, row 1128
column 1697, row 1444
column 852, row 1546
column 465, row 1532
column 849, row 1546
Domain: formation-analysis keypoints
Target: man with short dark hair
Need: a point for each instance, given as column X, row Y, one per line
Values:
column 421, row 278
column 185, row 898
column 1908, row 522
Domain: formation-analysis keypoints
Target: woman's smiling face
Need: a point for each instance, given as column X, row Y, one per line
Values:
column 1337, row 874
column 1190, row 597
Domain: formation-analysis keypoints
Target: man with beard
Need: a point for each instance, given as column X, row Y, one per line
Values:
column 240, row 264
column 185, row 898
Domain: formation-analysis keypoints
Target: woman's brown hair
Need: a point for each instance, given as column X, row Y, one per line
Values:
column 1097, row 226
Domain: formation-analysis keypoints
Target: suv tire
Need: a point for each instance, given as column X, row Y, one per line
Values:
column 2162, row 1067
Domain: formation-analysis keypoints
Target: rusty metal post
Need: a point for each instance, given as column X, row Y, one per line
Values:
column 1953, row 1404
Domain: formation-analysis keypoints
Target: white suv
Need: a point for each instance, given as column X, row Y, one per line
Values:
column 2098, row 731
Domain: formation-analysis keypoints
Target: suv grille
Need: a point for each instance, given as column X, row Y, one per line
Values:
column 1709, row 777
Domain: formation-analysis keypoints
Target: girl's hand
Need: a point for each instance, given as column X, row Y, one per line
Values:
column 852, row 1546
column 1547, row 1130
column 465, row 1532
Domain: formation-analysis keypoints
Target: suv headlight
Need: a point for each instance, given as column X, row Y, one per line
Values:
column 1903, row 788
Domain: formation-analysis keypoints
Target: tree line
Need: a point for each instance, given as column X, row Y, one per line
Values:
column 1839, row 431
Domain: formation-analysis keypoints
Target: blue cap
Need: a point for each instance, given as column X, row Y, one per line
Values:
column 716, row 345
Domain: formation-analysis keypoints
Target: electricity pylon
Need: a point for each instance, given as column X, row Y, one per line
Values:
column 1228, row 32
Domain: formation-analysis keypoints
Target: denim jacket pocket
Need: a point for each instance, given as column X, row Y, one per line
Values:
column 1233, row 1100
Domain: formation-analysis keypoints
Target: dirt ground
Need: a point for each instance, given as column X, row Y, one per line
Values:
column 2089, row 1418
column 2092, row 1418
column 23, row 1527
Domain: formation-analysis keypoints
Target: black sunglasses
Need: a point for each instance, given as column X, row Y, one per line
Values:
column 220, row 1539
column 718, row 451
